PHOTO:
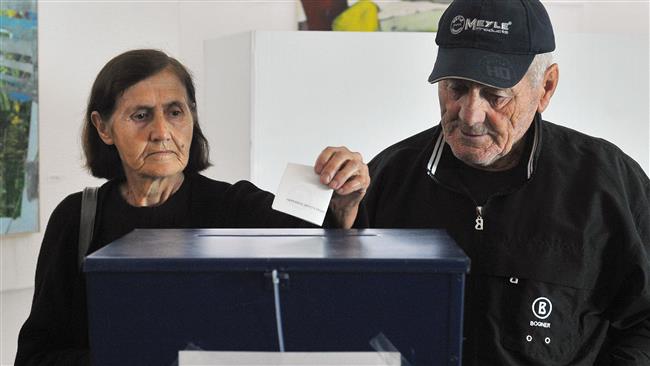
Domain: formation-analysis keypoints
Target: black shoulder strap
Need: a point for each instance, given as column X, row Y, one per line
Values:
column 87, row 221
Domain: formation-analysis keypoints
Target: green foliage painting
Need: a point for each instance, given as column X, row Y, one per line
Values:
column 18, row 117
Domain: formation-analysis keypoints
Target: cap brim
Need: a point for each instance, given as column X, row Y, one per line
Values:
column 497, row 70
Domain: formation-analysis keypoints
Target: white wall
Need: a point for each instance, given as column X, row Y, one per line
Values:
column 76, row 38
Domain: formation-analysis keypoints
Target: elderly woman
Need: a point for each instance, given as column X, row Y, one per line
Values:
column 141, row 132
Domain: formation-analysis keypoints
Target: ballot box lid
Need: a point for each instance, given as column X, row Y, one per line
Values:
column 189, row 250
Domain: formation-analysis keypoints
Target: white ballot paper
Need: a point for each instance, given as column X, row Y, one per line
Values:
column 301, row 194
column 214, row 358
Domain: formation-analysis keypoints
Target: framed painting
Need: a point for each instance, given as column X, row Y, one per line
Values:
column 371, row 15
column 18, row 117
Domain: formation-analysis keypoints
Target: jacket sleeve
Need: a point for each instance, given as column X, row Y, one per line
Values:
column 369, row 205
column 628, row 341
column 53, row 334
column 250, row 207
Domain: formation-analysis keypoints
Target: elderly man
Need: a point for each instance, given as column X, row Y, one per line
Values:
column 556, row 223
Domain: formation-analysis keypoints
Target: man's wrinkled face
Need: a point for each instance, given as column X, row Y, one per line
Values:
column 482, row 124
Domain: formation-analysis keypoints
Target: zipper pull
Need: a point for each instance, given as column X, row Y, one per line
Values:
column 479, row 218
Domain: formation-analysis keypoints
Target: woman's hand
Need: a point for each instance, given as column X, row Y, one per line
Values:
column 345, row 172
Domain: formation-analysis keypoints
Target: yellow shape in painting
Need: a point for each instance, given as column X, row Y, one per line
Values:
column 360, row 17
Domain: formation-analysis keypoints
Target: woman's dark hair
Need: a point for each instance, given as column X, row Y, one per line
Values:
column 119, row 74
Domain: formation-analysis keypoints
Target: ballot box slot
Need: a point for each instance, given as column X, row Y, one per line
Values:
column 279, row 235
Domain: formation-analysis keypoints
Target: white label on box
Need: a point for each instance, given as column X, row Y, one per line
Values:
column 214, row 358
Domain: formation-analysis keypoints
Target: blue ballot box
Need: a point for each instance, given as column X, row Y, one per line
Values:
column 157, row 291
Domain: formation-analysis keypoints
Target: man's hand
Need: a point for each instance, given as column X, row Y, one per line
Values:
column 345, row 172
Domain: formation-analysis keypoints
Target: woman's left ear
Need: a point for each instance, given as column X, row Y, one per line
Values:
column 549, row 83
column 102, row 128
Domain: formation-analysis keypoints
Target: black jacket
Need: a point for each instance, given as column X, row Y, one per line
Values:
column 560, row 272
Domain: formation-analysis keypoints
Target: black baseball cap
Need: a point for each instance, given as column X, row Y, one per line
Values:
column 492, row 42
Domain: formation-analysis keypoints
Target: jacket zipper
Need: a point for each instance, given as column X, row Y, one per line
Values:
column 479, row 221
column 479, row 218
